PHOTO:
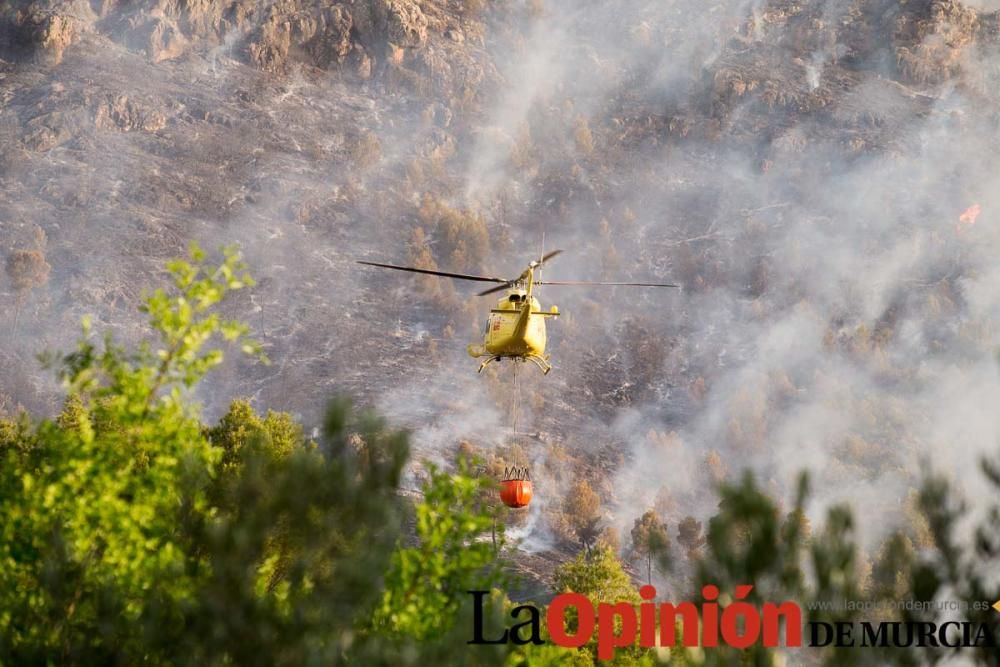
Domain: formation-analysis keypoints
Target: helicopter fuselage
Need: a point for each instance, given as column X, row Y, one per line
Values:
column 515, row 329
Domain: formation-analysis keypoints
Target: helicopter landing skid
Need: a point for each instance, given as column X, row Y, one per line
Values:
column 486, row 363
column 542, row 363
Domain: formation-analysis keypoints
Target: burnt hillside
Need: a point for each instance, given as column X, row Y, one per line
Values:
column 819, row 175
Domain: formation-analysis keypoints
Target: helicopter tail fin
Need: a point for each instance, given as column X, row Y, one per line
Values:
column 522, row 320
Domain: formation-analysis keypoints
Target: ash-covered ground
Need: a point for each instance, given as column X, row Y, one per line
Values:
column 820, row 176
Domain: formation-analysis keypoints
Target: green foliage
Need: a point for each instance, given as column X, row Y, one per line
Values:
column 549, row 655
column 278, row 433
column 15, row 436
column 833, row 562
column 287, row 577
column 966, row 572
column 91, row 540
column 892, row 568
column 133, row 533
column 748, row 544
column 599, row 575
column 426, row 583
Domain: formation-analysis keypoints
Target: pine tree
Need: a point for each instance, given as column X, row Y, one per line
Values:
column 651, row 542
column 689, row 536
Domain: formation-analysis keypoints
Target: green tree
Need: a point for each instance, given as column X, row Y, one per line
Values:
column 427, row 583
column 16, row 439
column 278, row 432
column 94, row 512
column 132, row 533
column 599, row 575
column 650, row 542
column 966, row 571
column 749, row 543
column 890, row 577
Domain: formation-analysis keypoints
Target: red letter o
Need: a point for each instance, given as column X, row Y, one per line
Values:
column 555, row 617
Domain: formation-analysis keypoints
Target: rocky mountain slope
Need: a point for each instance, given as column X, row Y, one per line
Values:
column 812, row 172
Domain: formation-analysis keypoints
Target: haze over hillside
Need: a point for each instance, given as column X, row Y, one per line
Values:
column 820, row 176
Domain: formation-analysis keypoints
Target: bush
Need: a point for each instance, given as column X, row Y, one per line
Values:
column 133, row 533
column 463, row 239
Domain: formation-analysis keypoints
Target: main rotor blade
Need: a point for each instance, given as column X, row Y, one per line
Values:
column 498, row 288
column 584, row 282
column 549, row 256
column 457, row 276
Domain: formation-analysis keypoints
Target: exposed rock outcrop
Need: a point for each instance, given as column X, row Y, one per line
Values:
column 318, row 33
column 120, row 113
column 45, row 34
column 324, row 33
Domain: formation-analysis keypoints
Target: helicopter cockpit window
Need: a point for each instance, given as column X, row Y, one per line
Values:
column 515, row 298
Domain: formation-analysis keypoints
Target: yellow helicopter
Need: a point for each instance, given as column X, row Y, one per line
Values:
column 516, row 326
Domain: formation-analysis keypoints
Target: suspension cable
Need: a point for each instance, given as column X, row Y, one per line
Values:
column 516, row 400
